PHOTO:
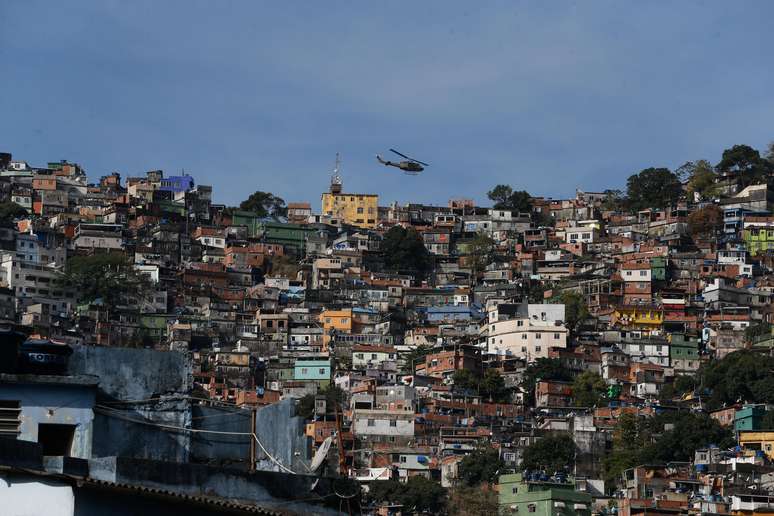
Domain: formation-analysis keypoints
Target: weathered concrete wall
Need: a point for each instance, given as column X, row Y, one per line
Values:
column 217, row 449
column 140, row 390
column 140, row 431
column 282, row 434
column 134, row 374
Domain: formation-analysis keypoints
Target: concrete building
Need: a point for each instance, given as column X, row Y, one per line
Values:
column 541, row 495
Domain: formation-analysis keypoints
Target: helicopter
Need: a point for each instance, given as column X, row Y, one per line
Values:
column 411, row 166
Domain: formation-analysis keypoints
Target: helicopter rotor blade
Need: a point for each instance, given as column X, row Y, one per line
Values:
column 408, row 158
column 399, row 154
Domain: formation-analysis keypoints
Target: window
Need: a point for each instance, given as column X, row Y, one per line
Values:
column 556, row 336
column 371, row 422
column 9, row 418
column 643, row 273
column 537, row 349
column 321, row 370
column 403, row 458
column 523, row 336
column 393, row 422
column 304, row 370
column 514, row 490
column 56, row 439
column 270, row 324
column 519, row 323
column 538, row 335
column 531, row 507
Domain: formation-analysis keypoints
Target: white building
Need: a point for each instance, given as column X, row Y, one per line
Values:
column 383, row 423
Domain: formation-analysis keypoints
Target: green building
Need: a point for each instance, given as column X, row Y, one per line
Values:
column 658, row 268
column 749, row 418
column 552, row 497
column 249, row 219
column 154, row 326
column 292, row 236
column 758, row 240
column 684, row 352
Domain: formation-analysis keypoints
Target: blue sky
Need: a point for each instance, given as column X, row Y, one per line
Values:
column 254, row 95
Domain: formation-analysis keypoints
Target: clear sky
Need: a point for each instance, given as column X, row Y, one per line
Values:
column 258, row 95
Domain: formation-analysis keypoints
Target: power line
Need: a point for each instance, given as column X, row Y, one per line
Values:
column 109, row 411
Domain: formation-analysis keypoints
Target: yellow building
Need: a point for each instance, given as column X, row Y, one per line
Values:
column 642, row 317
column 356, row 209
column 753, row 441
column 335, row 321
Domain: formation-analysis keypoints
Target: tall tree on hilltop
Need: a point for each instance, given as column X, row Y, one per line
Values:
column 702, row 180
column 746, row 164
column 265, row 204
column 575, row 309
column 653, row 188
column 706, row 221
column 505, row 198
column 9, row 210
column 405, row 252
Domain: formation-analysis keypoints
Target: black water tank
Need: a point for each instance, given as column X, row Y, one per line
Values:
column 9, row 350
column 41, row 356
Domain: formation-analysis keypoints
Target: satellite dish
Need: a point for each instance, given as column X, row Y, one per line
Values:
column 321, row 453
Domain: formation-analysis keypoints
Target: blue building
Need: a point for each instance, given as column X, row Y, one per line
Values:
column 317, row 370
column 177, row 183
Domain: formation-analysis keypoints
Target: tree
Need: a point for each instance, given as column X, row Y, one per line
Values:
column 493, row 387
column 628, row 440
column 305, row 404
column 554, row 452
column 405, row 252
column 417, row 495
column 770, row 152
column 481, row 466
column 667, row 437
column 109, row 277
column 688, row 432
column 500, row 194
column 472, row 501
column 588, row 389
column 465, row 381
column 741, row 376
column 679, row 386
column 10, row 210
column 543, row 369
column 746, row 164
column 653, row 188
column 505, row 198
column 702, row 180
column 265, row 204
column 614, row 201
column 705, row 221
column 753, row 332
column 575, row 309
column 481, row 252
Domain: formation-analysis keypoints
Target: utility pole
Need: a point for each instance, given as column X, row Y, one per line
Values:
column 253, row 437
